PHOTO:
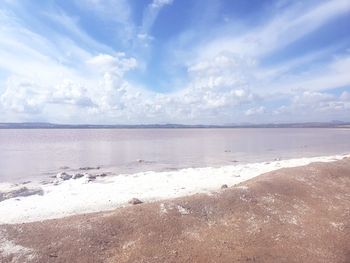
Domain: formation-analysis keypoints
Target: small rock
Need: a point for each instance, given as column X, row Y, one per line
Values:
column 91, row 176
column 21, row 192
column 102, row 175
column 77, row 175
column 135, row 201
column 63, row 176
column 182, row 210
column 140, row 161
column 56, row 182
column 89, row 168
column 224, row 186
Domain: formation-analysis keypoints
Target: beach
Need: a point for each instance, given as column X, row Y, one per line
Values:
column 295, row 214
column 76, row 193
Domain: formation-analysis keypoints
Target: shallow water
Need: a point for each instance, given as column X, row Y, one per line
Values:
column 35, row 154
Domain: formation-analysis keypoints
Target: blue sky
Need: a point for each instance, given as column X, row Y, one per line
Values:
column 174, row 61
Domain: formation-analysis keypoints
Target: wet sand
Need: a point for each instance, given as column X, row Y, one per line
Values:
column 297, row 214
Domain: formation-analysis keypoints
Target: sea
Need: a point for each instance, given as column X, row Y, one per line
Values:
column 39, row 154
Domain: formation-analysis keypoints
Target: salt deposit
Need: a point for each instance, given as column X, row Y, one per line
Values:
column 81, row 195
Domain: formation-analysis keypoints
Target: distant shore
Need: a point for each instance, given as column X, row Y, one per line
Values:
column 45, row 125
column 296, row 214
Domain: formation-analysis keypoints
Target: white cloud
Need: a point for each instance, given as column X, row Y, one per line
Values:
column 118, row 64
column 314, row 106
column 333, row 74
column 151, row 13
column 70, row 24
column 73, row 78
column 21, row 97
column 255, row 111
column 71, row 93
column 285, row 28
column 117, row 11
column 161, row 3
column 345, row 96
column 311, row 99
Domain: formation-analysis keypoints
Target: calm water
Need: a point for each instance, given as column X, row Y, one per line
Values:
column 36, row 154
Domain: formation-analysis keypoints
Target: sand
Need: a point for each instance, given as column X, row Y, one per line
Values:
column 299, row 214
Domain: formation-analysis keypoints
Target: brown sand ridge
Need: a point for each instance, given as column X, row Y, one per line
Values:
column 290, row 215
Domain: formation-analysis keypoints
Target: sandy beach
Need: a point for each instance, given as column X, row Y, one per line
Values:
column 299, row 214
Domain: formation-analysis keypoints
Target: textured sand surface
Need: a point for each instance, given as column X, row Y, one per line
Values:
column 290, row 215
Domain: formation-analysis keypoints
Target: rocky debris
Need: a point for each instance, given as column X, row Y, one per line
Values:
column 64, row 176
column 140, row 161
column 135, row 201
column 20, row 192
column 224, row 186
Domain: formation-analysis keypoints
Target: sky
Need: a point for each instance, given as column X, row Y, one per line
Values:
column 174, row 61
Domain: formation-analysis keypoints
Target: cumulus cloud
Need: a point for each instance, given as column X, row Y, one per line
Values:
column 222, row 81
column 70, row 93
column 255, row 111
column 311, row 106
column 61, row 79
column 119, row 64
column 20, row 96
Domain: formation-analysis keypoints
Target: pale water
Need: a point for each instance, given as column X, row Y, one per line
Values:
column 37, row 154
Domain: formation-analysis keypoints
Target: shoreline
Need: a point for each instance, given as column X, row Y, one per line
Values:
column 298, row 214
column 79, row 196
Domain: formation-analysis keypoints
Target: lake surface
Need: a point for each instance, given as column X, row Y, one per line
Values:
column 36, row 154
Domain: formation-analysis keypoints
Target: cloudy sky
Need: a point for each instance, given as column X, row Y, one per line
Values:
column 174, row 61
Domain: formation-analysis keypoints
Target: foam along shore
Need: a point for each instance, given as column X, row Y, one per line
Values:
column 77, row 196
